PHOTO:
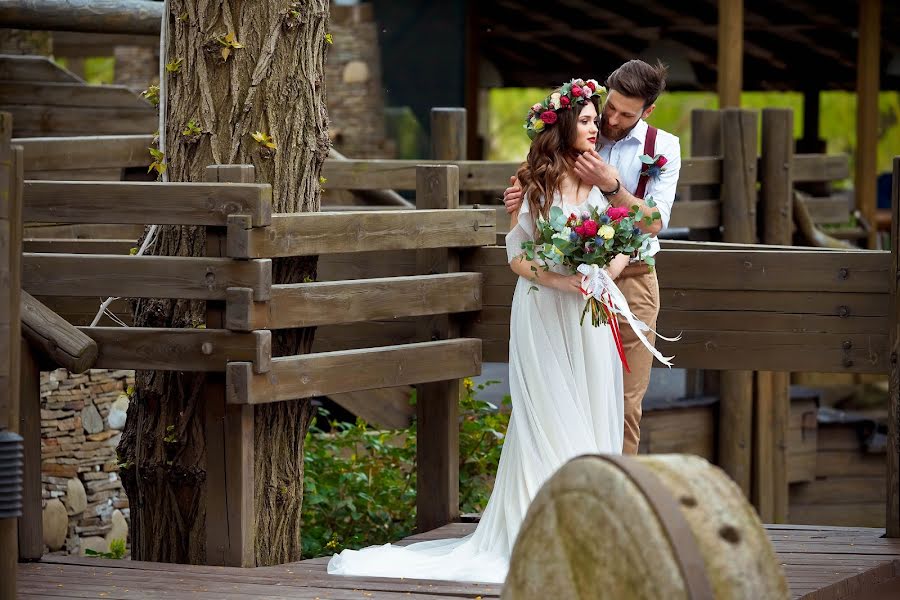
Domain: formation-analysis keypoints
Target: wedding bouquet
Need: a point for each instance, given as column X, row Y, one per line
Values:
column 586, row 243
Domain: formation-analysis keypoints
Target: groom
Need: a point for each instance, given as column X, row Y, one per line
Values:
column 616, row 168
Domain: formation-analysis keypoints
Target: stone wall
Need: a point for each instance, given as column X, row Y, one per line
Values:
column 81, row 418
column 354, row 86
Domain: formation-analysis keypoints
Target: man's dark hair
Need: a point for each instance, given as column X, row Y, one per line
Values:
column 637, row 79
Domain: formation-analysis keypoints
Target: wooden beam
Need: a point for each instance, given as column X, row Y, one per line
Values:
column 144, row 202
column 325, row 373
column 310, row 234
column 230, row 430
column 83, row 152
column 90, row 16
column 33, row 68
column 143, row 276
column 474, row 175
column 53, row 94
column 31, row 536
column 44, row 120
column 730, row 62
column 77, row 246
column 868, row 84
column 162, row 349
column 60, row 341
column 820, row 167
column 892, row 518
column 334, row 302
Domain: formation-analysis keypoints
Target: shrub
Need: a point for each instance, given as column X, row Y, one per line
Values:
column 360, row 483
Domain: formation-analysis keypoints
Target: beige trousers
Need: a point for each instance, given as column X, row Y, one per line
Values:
column 641, row 289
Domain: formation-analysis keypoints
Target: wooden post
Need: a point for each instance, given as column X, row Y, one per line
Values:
column 731, row 53
column 31, row 525
column 706, row 140
column 11, row 177
column 738, row 226
column 121, row 16
column 774, row 408
column 230, row 497
column 867, row 87
column 892, row 518
column 437, row 404
column 448, row 133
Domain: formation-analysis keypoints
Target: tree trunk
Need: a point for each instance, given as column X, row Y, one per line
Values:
column 274, row 84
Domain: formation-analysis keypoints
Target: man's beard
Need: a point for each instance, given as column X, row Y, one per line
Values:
column 614, row 135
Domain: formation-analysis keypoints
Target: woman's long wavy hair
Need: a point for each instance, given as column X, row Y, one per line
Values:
column 550, row 157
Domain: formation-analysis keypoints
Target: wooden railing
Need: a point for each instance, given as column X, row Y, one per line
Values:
column 240, row 293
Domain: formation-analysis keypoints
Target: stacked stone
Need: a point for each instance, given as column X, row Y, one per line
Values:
column 81, row 421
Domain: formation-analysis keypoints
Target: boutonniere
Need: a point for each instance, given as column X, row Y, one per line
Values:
column 653, row 165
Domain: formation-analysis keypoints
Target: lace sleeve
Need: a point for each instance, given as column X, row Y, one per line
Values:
column 522, row 232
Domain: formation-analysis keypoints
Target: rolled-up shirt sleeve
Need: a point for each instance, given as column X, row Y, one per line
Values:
column 662, row 188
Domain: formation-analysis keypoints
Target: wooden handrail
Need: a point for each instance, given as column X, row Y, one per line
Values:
column 59, row 340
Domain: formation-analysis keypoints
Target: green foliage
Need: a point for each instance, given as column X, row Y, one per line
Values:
column 360, row 484
column 116, row 550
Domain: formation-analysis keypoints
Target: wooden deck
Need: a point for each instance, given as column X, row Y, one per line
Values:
column 821, row 563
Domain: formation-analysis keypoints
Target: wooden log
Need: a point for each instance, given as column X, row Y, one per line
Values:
column 380, row 197
column 448, row 133
column 230, row 429
column 437, row 401
column 60, row 341
column 86, row 152
column 31, row 535
column 773, row 388
column 691, row 534
column 739, row 167
column 146, row 202
column 161, row 349
column 76, row 246
column 868, row 86
column 90, row 16
column 325, row 373
column 310, row 234
column 143, row 276
column 892, row 519
column 328, row 303
column 730, row 63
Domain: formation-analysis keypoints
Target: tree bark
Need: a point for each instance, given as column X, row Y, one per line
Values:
column 274, row 84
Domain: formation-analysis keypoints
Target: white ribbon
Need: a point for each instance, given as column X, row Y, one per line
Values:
column 596, row 282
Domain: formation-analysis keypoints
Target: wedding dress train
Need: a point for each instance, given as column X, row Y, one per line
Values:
column 566, row 387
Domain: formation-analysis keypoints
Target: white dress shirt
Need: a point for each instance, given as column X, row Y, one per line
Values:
column 625, row 155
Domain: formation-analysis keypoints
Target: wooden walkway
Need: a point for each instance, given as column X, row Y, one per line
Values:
column 821, row 563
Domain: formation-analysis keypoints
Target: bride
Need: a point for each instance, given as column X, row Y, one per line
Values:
column 565, row 378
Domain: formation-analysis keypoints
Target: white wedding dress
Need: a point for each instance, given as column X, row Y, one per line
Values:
column 566, row 386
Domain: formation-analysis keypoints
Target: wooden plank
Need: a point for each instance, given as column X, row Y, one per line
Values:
column 144, row 202
column 839, row 490
column 33, row 68
column 31, row 536
column 365, row 335
column 325, row 303
column 327, row 373
column 827, row 304
column 781, row 409
column 828, row 209
column 387, row 408
column 768, row 351
column 143, row 276
column 868, row 121
column 484, row 176
column 84, row 231
column 84, row 152
column 697, row 214
column 892, row 508
column 59, row 341
column 76, row 246
column 730, row 56
column 81, row 311
column 162, row 349
column 70, row 94
column 437, row 401
column 309, row 234
column 820, row 167
column 103, row 174
column 91, row 16
column 763, row 447
column 44, row 120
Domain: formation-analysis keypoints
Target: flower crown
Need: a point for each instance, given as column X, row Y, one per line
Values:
column 577, row 91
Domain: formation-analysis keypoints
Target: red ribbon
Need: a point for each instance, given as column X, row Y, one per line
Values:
column 617, row 336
